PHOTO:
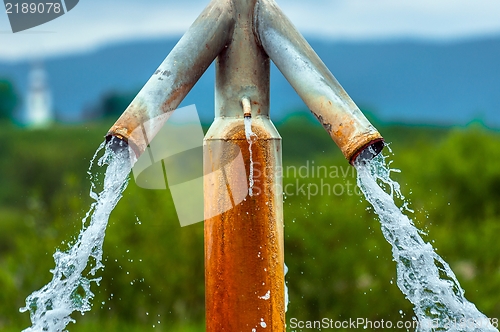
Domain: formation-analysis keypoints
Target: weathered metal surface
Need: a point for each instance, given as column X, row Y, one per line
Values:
column 242, row 69
column 312, row 80
column 244, row 255
column 175, row 77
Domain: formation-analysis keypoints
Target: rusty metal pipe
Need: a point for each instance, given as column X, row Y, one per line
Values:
column 244, row 245
column 247, row 107
column 314, row 83
column 175, row 77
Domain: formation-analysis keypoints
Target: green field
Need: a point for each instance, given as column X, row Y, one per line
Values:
column 340, row 266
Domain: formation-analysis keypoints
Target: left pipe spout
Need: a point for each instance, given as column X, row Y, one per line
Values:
column 175, row 77
column 116, row 143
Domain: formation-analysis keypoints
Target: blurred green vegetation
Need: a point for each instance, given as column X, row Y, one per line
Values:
column 340, row 266
column 113, row 103
column 8, row 99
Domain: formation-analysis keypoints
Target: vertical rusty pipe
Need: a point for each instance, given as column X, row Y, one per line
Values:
column 175, row 77
column 244, row 255
column 315, row 84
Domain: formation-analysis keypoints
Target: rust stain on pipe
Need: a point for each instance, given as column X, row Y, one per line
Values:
column 244, row 258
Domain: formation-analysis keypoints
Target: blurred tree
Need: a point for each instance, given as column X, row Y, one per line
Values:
column 114, row 103
column 8, row 99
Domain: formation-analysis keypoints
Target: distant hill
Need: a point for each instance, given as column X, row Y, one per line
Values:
column 398, row 81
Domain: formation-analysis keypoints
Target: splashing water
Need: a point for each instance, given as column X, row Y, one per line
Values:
column 69, row 290
column 422, row 275
column 250, row 136
column 286, row 289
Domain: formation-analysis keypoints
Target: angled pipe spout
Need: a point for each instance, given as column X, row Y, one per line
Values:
column 315, row 84
column 175, row 77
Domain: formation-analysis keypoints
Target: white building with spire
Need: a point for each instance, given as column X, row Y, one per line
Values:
column 38, row 111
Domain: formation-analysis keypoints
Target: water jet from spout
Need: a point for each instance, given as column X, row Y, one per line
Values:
column 368, row 152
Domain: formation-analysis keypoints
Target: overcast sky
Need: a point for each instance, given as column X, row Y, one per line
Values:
column 93, row 23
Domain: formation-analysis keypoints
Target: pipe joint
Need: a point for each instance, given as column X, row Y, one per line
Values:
column 247, row 107
column 314, row 82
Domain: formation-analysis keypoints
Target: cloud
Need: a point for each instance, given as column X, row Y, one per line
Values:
column 93, row 23
column 369, row 19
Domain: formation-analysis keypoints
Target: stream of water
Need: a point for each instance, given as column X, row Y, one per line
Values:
column 250, row 136
column 69, row 290
column 422, row 275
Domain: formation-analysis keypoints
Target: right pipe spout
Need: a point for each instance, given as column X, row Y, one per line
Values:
column 315, row 84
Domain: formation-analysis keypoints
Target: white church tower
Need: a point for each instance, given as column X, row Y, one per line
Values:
column 38, row 100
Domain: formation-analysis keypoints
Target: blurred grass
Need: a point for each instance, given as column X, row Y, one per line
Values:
column 339, row 264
